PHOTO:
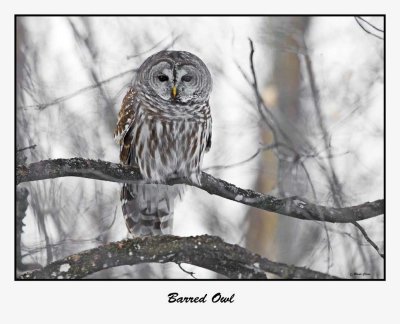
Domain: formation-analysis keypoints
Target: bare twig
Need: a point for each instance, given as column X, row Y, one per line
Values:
column 78, row 92
column 191, row 273
column 368, row 239
column 227, row 166
column 366, row 30
column 209, row 252
column 265, row 113
column 373, row 26
column 296, row 207
column 170, row 44
column 32, row 147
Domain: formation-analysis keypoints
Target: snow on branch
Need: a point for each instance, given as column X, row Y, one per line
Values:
column 295, row 207
column 205, row 251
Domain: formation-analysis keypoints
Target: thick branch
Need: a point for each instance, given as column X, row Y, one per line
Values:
column 295, row 207
column 205, row 251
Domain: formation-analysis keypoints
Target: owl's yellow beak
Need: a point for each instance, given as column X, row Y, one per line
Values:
column 173, row 92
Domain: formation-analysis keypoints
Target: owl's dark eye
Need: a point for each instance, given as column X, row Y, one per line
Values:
column 162, row 78
column 187, row 78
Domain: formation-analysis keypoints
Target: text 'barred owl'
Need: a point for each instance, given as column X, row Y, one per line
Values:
column 164, row 127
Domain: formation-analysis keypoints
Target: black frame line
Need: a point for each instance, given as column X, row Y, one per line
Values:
column 201, row 15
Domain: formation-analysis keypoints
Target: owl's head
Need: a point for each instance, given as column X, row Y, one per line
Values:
column 176, row 77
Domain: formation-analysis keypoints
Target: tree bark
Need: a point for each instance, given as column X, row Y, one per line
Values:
column 210, row 252
column 295, row 207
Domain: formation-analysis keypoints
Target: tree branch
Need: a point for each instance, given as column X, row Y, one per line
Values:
column 365, row 29
column 373, row 26
column 295, row 207
column 56, row 101
column 26, row 148
column 205, row 251
column 368, row 239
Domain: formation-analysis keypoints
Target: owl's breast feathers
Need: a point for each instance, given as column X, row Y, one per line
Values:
column 163, row 139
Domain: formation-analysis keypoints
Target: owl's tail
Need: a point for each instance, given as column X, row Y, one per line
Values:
column 148, row 209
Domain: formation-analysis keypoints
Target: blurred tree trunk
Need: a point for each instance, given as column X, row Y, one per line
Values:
column 273, row 235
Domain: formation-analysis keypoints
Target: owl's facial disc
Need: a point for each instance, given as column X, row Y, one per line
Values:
column 178, row 83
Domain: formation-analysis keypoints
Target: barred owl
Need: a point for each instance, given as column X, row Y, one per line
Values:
column 164, row 127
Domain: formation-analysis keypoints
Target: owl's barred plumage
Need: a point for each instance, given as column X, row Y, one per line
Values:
column 164, row 127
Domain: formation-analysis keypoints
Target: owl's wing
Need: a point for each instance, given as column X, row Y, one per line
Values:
column 123, row 131
column 208, row 143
